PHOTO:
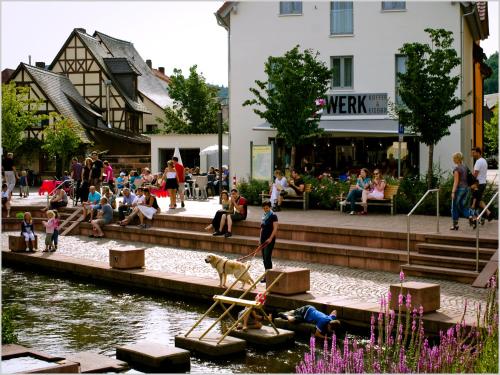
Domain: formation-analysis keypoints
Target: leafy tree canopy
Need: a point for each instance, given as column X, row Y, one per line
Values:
column 491, row 83
column 19, row 112
column 195, row 105
column 288, row 99
column 491, row 134
column 428, row 88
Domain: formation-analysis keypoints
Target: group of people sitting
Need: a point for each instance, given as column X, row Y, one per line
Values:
column 234, row 208
column 366, row 188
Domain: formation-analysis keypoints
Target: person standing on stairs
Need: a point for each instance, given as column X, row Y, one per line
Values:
column 459, row 191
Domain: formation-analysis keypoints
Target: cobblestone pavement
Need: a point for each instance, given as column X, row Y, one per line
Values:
column 360, row 285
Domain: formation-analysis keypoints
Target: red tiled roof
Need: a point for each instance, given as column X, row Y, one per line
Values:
column 161, row 76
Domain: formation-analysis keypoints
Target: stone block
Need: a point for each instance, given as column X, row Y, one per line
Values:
column 155, row 357
column 294, row 280
column 425, row 294
column 126, row 258
column 93, row 362
column 18, row 244
column 209, row 344
column 265, row 336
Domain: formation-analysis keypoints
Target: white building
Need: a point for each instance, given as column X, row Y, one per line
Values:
column 361, row 40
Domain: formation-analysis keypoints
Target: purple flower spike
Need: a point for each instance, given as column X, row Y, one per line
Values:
column 400, row 300
column 401, row 276
column 408, row 301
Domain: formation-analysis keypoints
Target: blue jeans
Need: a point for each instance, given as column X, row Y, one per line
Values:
column 458, row 204
column 353, row 196
column 55, row 236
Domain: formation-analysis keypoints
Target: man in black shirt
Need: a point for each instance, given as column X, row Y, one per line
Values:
column 268, row 231
column 96, row 172
column 295, row 188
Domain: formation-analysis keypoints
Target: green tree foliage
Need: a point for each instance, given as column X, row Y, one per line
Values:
column 60, row 138
column 195, row 105
column 19, row 111
column 491, row 83
column 491, row 134
column 287, row 100
column 9, row 335
column 428, row 89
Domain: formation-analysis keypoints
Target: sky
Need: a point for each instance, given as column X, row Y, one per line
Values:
column 173, row 34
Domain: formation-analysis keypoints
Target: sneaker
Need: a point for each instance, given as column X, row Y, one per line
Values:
column 343, row 203
column 228, row 234
column 217, row 233
column 352, row 213
column 363, row 213
column 182, row 204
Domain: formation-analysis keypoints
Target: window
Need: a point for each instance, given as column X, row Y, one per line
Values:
column 393, row 5
column 400, row 68
column 290, row 7
column 341, row 20
column 342, row 72
column 151, row 128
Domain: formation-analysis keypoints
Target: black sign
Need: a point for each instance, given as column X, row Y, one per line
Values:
column 356, row 104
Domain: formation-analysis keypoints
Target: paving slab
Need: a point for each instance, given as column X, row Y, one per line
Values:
column 93, row 362
column 155, row 357
column 265, row 336
column 208, row 345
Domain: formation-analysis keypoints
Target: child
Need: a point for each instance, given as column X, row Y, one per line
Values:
column 28, row 231
column 49, row 230
column 24, row 189
column 6, row 199
column 253, row 320
column 55, row 235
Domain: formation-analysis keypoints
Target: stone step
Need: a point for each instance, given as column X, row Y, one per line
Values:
column 454, row 251
column 463, row 276
column 444, row 239
column 447, row 261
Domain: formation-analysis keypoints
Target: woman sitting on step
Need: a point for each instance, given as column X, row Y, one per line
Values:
column 146, row 209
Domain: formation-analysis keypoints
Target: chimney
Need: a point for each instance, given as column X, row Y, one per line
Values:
column 82, row 30
column 162, row 70
column 149, row 63
column 40, row 64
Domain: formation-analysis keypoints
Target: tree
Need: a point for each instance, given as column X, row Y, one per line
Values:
column 195, row 105
column 491, row 83
column 290, row 96
column 491, row 134
column 60, row 138
column 19, row 111
column 427, row 89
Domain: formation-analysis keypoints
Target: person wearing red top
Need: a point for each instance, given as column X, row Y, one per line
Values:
column 237, row 205
column 179, row 168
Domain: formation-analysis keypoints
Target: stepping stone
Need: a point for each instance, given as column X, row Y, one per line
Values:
column 303, row 329
column 208, row 345
column 154, row 357
column 92, row 362
column 265, row 336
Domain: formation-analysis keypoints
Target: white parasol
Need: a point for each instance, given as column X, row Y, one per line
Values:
column 214, row 149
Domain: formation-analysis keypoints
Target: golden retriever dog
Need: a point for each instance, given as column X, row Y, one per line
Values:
column 225, row 266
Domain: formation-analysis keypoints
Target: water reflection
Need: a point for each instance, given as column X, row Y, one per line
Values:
column 58, row 316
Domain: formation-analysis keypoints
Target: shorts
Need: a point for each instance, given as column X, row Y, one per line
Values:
column 237, row 217
column 100, row 222
column 48, row 239
column 29, row 236
column 289, row 192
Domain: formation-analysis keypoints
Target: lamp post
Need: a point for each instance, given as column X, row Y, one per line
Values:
column 219, row 123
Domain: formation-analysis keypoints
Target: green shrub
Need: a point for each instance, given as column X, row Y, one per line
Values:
column 8, row 334
column 252, row 189
column 324, row 192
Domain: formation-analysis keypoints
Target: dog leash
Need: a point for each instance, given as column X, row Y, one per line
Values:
column 252, row 254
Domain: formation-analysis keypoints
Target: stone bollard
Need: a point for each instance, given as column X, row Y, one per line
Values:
column 425, row 294
column 18, row 244
column 294, row 280
column 126, row 257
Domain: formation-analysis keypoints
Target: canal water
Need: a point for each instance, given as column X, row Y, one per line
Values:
column 60, row 316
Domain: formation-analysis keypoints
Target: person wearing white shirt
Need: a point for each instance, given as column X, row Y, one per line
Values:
column 480, row 171
column 280, row 183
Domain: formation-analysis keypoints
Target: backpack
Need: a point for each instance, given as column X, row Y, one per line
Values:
column 470, row 178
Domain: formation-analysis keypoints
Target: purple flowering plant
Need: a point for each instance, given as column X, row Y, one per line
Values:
column 398, row 344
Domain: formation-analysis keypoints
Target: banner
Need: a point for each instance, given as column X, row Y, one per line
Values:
column 262, row 166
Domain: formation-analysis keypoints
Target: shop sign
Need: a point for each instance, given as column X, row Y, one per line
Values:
column 355, row 104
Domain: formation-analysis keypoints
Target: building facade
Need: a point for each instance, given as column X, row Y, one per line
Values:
column 360, row 40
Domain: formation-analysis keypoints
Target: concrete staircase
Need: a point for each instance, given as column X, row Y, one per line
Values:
column 445, row 257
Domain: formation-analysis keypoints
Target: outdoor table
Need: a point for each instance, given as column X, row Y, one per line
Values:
column 48, row 186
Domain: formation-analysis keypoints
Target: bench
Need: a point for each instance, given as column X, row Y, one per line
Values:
column 390, row 192
column 304, row 198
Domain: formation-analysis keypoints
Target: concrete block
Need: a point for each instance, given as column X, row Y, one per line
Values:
column 155, row 357
column 17, row 243
column 425, row 294
column 126, row 258
column 294, row 280
column 265, row 336
column 208, row 345
column 301, row 329
column 93, row 362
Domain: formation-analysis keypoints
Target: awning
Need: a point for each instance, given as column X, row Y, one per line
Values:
column 357, row 126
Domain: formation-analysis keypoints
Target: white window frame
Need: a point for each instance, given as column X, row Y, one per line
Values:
column 351, row 33
column 393, row 9
column 293, row 13
column 342, row 71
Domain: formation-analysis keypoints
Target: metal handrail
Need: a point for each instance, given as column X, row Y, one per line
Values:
column 72, row 185
column 478, row 219
column 411, row 212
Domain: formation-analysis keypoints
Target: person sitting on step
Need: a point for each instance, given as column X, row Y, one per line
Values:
column 28, row 231
column 147, row 209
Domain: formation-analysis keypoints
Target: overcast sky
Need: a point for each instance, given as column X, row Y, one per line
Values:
column 173, row 34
